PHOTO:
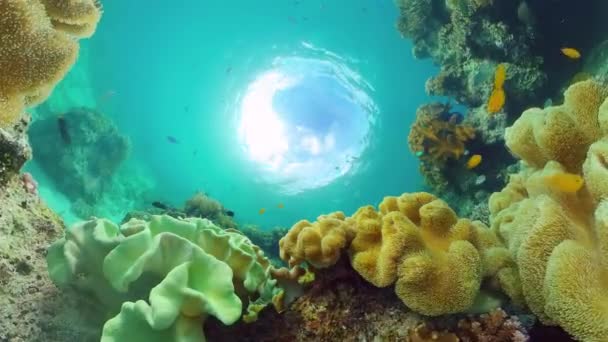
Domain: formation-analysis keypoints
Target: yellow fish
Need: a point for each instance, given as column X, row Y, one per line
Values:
column 500, row 76
column 262, row 211
column 571, row 53
column 474, row 161
column 280, row 206
column 496, row 101
column 565, row 182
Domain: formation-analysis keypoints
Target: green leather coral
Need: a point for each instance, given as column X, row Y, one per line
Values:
column 162, row 278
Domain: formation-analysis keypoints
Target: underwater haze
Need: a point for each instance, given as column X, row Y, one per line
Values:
column 299, row 103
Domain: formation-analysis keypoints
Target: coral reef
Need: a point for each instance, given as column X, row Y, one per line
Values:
column 37, row 49
column 444, row 142
column 436, row 260
column 14, row 149
column 341, row 306
column 171, row 262
column 437, row 135
column 552, row 220
column 31, row 308
column 203, row 206
column 470, row 40
column 267, row 239
column 83, row 144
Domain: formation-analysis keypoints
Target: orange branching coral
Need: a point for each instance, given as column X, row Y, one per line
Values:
column 436, row 136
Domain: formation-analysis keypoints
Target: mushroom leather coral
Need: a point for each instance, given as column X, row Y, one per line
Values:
column 34, row 54
column 415, row 241
column 319, row 243
column 161, row 279
column 559, row 239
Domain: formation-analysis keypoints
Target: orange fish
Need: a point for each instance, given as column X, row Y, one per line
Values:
column 474, row 161
column 262, row 211
column 500, row 76
column 496, row 101
column 280, row 206
column 565, row 182
column 571, row 53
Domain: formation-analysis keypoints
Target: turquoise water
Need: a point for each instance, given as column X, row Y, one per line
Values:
column 332, row 137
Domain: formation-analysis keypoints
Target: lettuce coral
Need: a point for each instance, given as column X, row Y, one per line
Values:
column 161, row 279
column 415, row 241
column 34, row 54
column 559, row 239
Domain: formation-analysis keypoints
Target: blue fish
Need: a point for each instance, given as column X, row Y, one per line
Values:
column 172, row 139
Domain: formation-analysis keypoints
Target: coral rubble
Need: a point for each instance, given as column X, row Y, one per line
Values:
column 342, row 306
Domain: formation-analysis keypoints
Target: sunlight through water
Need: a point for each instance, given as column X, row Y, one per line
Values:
column 306, row 121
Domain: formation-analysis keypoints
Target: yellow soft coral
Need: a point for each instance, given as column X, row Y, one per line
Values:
column 415, row 241
column 34, row 55
column 562, row 133
column 559, row 238
column 319, row 243
column 78, row 17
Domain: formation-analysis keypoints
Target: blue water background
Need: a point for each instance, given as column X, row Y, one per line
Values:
column 179, row 69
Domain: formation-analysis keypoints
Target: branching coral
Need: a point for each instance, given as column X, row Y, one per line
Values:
column 35, row 55
column 559, row 238
column 415, row 241
column 189, row 269
column 436, row 135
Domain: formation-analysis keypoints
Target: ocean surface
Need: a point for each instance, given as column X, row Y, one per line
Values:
column 304, row 103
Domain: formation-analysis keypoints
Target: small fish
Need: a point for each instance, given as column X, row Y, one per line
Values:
column 474, row 161
column 419, row 153
column 262, row 211
column 62, row 125
column 280, row 206
column 480, row 180
column 230, row 213
column 107, row 96
column 160, row 205
column 172, row 139
column 500, row 75
column 496, row 101
column 498, row 96
column 571, row 53
column 337, row 168
column 565, row 182
column 228, row 70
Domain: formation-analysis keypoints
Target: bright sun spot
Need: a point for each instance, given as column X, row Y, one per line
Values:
column 306, row 121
